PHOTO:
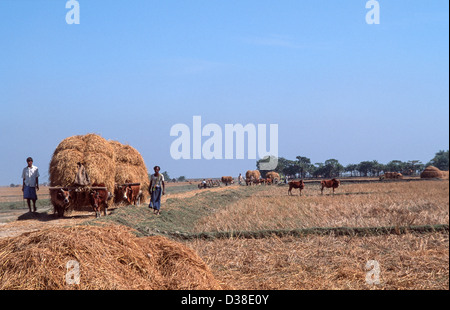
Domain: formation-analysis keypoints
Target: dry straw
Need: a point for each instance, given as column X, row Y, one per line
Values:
column 106, row 162
column 97, row 156
column 431, row 172
column 130, row 166
column 92, row 151
column 273, row 175
column 109, row 257
column 253, row 173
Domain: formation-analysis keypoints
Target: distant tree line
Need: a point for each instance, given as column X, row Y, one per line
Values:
column 304, row 168
column 167, row 178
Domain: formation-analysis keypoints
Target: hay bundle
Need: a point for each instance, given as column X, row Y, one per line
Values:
column 431, row 172
column 253, row 173
column 273, row 175
column 130, row 167
column 94, row 152
column 392, row 175
column 110, row 258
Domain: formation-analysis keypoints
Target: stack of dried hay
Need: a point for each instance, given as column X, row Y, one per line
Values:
column 431, row 172
column 130, row 167
column 94, row 152
column 106, row 162
column 255, row 174
column 110, row 258
column 273, row 175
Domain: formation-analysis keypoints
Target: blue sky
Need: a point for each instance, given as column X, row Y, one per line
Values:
column 336, row 86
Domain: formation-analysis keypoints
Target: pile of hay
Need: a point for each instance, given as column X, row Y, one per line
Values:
column 392, row 175
column 130, row 167
column 106, row 162
column 253, row 173
column 273, row 175
column 110, row 258
column 94, row 152
column 431, row 172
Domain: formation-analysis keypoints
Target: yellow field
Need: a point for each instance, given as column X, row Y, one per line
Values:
column 353, row 205
column 409, row 261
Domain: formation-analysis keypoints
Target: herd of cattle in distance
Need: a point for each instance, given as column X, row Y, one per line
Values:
column 131, row 193
column 253, row 177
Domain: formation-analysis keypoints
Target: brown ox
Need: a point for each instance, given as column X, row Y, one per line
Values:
column 132, row 194
column 98, row 197
column 227, row 180
column 60, row 199
column 268, row 181
column 333, row 183
column 296, row 184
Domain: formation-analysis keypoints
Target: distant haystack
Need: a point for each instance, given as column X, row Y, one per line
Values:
column 255, row 174
column 94, row 153
column 392, row 175
column 431, row 172
column 130, row 167
column 273, row 175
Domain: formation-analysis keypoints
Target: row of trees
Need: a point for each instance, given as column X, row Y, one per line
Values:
column 303, row 167
column 168, row 179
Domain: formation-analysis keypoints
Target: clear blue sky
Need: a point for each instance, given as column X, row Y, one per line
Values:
column 336, row 86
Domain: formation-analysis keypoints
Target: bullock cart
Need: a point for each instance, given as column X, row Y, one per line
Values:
column 209, row 183
column 64, row 198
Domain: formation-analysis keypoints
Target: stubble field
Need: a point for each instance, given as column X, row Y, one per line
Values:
column 407, row 259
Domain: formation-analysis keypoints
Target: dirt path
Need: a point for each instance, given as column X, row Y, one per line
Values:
column 17, row 222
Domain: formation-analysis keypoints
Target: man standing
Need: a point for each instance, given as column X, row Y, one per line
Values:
column 30, row 176
column 156, row 182
column 240, row 179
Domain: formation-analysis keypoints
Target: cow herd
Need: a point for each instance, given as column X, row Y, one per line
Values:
column 99, row 197
column 254, row 177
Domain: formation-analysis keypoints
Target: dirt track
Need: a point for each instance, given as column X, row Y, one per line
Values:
column 16, row 222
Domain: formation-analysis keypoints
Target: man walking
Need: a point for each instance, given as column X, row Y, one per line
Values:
column 156, row 182
column 240, row 179
column 30, row 185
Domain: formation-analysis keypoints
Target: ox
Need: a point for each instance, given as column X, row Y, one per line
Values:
column 268, row 181
column 130, row 193
column 60, row 199
column 333, row 183
column 98, row 197
column 296, row 184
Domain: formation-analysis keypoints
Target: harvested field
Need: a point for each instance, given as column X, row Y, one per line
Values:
column 407, row 259
column 14, row 194
column 327, row 263
column 353, row 205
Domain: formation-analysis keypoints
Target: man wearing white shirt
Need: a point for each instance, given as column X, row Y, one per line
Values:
column 30, row 176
